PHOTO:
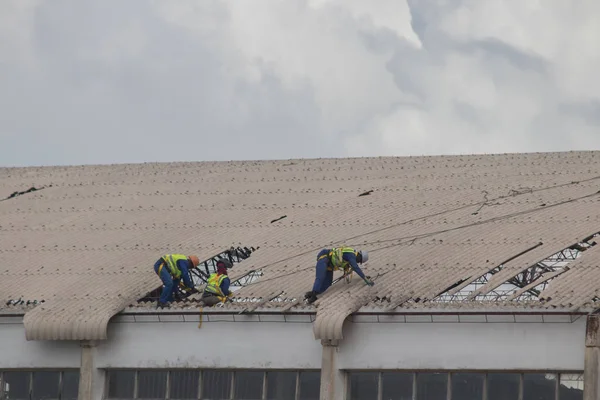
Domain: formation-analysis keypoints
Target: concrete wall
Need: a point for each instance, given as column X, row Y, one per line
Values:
column 16, row 352
column 519, row 346
column 215, row 345
column 291, row 345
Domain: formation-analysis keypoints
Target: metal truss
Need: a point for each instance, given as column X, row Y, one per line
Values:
column 463, row 289
column 526, row 285
column 202, row 272
column 247, row 279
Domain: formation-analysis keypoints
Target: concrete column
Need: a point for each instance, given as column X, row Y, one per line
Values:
column 91, row 381
column 332, row 379
column 591, row 373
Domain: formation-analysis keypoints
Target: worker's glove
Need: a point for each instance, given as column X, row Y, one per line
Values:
column 369, row 281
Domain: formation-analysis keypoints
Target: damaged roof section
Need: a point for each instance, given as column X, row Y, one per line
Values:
column 20, row 193
column 448, row 231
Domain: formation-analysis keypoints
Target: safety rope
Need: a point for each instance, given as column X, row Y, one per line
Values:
column 416, row 237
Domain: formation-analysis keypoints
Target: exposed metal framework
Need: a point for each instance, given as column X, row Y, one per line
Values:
column 200, row 274
column 526, row 285
column 247, row 279
column 461, row 290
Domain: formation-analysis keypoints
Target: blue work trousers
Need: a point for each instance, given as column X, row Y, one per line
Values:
column 323, row 277
column 170, row 283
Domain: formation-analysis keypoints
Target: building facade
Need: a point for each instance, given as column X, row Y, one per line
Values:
column 273, row 356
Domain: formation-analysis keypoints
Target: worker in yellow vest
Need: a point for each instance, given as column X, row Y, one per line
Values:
column 172, row 268
column 217, row 287
column 339, row 258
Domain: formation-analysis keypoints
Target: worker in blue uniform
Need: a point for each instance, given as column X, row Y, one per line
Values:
column 172, row 269
column 217, row 287
column 339, row 258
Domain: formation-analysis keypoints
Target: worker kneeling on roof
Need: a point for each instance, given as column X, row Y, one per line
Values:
column 172, row 268
column 339, row 258
column 217, row 287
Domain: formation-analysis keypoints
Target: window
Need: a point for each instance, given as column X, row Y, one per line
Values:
column 184, row 384
column 397, row 385
column 216, row 384
column 70, row 385
column 248, row 385
column 363, row 385
column 16, row 384
column 281, row 385
column 152, row 384
column 310, row 385
column 432, row 385
column 539, row 386
column 449, row 385
column 39, row 385
column 503, row 386
column 467, row 386
column 571, row 387
column 45, row 385
column 121, row 384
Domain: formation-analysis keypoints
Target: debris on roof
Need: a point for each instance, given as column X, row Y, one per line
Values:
column 20, row 193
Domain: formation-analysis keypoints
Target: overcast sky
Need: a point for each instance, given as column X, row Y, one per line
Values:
column 112, row 81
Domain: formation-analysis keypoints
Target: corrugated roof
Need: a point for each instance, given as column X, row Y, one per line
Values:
column 86, row 243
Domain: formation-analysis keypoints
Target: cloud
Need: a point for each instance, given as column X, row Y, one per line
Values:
column 111, row 81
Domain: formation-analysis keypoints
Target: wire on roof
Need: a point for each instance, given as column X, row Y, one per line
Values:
column 511, row 193
column 494, row 219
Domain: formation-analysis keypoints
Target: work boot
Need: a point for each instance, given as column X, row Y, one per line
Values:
column 310, row 297
column 162, row 305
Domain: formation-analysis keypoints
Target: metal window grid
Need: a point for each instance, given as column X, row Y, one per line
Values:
column 200, row 384
column 557, row 374
column 30, row 372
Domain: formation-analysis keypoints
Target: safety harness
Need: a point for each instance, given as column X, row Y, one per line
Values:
column 170, row 260
column 337, row 262
column 213, row 287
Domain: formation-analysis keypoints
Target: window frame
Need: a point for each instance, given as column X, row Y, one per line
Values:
column 557, row 374
column 31, row 371
column 200, row 387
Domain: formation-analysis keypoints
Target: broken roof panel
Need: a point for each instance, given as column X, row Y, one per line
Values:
column 86, row 244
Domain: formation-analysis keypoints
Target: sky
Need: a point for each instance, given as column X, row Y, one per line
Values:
column 112, row 81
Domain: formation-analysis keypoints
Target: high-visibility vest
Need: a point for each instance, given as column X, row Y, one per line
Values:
column 336, row 255
column 171, row 262
column 214, row 284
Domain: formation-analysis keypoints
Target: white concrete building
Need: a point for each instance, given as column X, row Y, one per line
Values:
column 500, row 356
column 485, row 267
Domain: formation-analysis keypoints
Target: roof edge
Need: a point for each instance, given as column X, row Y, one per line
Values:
column 269, row 311
column 250, row 160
